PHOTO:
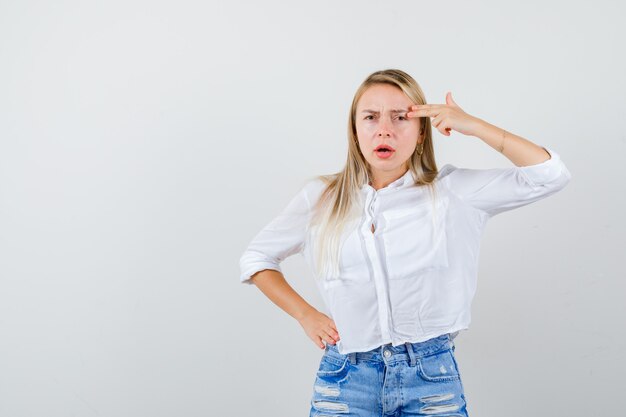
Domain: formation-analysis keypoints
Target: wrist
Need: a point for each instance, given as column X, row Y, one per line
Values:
column 304, row 312
column 480, row 126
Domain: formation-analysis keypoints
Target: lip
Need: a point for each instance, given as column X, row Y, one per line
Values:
column 384, row 146
column 384, row 155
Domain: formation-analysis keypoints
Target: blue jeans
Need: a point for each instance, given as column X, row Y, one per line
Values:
column 414, row 379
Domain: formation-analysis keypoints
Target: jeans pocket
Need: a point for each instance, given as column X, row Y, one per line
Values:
column 332, row 367
column 438, row 367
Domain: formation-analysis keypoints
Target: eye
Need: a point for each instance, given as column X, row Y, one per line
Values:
column 366, row 117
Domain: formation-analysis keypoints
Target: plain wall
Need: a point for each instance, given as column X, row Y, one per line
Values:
column 144, row 143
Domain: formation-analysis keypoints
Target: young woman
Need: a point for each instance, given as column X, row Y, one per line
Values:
column 393, row 243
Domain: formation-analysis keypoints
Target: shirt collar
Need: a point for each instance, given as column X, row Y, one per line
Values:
column 405, row 180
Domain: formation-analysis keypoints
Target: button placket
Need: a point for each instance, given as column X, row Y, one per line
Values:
column 371, row 212
column 378, row 269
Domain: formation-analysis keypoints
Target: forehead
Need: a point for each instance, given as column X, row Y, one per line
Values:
column 383, row 96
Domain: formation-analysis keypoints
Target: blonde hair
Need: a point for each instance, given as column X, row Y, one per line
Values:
column 341, row 201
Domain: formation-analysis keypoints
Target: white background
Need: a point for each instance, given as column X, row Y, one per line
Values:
column 144, row 143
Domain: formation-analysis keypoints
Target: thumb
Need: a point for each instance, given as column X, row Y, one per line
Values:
column 449, row 99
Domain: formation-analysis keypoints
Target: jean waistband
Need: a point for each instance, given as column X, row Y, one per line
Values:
column 388, row 353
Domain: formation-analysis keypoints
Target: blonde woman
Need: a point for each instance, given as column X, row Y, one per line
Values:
column 393, row 243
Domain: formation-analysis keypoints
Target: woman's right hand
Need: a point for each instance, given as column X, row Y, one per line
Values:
column 319, row 327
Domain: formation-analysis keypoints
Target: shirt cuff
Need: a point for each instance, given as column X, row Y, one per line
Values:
column 546, row 171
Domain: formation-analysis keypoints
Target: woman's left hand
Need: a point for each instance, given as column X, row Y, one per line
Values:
column 446, row 117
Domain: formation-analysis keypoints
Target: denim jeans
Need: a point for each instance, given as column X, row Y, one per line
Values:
column 414, row 379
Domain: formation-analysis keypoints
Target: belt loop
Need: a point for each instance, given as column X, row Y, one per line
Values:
column 409, row 349
column 352, row 357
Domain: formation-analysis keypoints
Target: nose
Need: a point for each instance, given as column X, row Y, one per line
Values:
column 383, row 128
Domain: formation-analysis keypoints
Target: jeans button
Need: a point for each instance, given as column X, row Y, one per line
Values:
column 387, row 353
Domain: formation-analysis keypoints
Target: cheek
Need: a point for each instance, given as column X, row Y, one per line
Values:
column 408, row 148
column 411, row 126
column 408, row 133
column 365, row 128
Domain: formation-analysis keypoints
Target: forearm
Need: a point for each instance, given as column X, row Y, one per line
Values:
column 273, row 284
column 518, row 150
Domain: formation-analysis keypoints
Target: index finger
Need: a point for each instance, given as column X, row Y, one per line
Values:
column 423, row 112
column 425, row 106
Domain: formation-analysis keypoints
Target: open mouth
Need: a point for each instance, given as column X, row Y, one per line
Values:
column 384, row 151
column 384, row 148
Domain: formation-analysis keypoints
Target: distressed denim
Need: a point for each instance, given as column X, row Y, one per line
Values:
column 414, row 379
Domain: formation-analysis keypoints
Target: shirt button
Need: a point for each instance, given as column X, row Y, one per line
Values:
column 387, row 354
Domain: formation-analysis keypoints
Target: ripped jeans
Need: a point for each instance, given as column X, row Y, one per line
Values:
column 414, row 379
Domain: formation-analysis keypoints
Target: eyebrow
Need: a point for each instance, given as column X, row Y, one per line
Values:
column 390, row 111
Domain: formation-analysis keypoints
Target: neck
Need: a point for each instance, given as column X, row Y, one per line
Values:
column 381, row 179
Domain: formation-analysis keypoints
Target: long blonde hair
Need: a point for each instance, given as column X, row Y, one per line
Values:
column 340, row 201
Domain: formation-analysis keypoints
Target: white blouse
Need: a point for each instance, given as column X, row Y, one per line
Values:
column 415, row 276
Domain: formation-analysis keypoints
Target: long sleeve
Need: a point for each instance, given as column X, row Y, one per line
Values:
column 280, row 238
column 500, row 189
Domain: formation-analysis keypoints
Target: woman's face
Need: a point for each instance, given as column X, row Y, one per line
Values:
column 381, row 120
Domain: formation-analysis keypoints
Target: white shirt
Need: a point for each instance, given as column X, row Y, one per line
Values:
column 415, row 276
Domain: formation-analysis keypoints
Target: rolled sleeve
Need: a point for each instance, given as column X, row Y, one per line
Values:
column 280, row 238
column 501, row 189
column 547, row 171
